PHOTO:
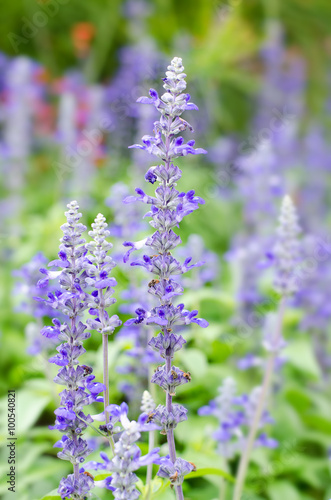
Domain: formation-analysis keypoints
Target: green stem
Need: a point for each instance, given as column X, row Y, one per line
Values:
column 151, row 434
column 223, row 484
column 105, row 367
column 245, row 457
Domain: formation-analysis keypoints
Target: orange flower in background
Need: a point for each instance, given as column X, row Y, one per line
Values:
column 82, row 35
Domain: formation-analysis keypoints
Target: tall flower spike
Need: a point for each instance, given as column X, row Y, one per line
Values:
column 286, row 257
column 81, row 390
column 98, row 268
column 168, row 208
column 287, row 248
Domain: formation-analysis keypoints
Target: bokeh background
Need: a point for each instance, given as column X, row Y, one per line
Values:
column 259, row 70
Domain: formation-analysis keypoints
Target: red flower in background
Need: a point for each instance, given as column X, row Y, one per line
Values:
column 82, row 35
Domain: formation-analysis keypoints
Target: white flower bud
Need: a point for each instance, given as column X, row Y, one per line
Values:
column 147, row 403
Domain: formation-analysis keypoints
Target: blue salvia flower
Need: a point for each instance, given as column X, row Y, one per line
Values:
column 98, row 267
column 168, row 207
column 127, row 222
column 234, row 414
column 76, row 488
column 25, row 287
column 127, row 455
column 175, row 471
column 286, row 255
column 81, row 390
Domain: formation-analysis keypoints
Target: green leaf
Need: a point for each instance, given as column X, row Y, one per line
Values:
column 156, row 484
column 300, row 355
column 283, row 489
column 298, row 398
column 53, row 495
column 101, row 477
column 195, row 362
column 210, row 471
column 318, row 423
column 30, row 405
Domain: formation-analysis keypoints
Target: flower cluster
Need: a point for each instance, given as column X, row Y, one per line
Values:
column 168, row 207
column 234, row 414
column 174, row 471
column 98, row 266
column 127, row 455
column 77, row 272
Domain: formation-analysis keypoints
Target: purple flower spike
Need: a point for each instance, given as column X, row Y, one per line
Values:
column 71, row 302
column 168, row 207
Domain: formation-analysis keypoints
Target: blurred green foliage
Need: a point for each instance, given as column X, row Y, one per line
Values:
column 222, row 55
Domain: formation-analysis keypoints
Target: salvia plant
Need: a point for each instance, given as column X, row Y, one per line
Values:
column 139, row 358
column 78, row 272
column 286, row 256
column 168, row 207
column 80, row 303
column 126, row 454
column 234, row 414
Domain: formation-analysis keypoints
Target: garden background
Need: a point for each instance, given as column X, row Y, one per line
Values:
column 259, row 71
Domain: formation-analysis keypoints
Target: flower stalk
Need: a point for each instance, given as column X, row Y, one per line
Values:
column 98, row 269
column 81, row 390
column 286, row 256
column 168, row 208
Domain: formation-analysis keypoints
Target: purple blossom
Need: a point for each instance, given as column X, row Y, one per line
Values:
column 168, row 419
column 249, row 361
column 234, row 414
column 126, row 219
column 169, row 380
column 175, row 472
column 168, row 207
column 79, row 487
column 127, row 455
column 26, row 289
column 81, row 389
